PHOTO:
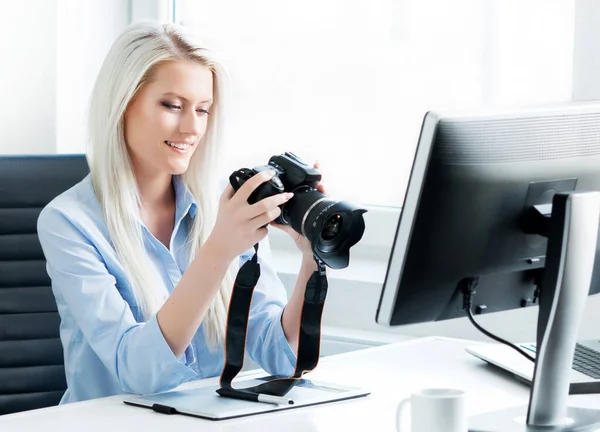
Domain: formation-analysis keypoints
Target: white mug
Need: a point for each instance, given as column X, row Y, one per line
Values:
column 435, row 410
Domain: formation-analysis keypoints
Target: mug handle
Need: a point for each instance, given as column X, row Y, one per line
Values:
column 402, row 405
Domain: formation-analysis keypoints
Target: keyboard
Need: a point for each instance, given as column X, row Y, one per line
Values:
column 585, row 360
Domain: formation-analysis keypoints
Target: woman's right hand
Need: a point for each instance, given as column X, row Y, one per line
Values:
column 240, row 225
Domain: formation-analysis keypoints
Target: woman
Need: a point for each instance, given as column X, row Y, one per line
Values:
column 140, row 260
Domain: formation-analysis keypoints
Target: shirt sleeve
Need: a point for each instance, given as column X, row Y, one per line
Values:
column 266, row 341
column 136, row 354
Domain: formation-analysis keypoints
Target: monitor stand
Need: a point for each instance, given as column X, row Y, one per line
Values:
column 572, row 233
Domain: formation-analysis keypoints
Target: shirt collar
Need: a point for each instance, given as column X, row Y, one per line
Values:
column 184, row 200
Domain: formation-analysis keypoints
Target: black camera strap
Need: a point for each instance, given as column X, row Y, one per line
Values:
column 237, row 323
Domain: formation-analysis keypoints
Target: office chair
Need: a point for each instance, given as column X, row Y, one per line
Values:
column 31, row 357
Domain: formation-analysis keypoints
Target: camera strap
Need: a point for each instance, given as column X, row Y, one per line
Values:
column 237, row 323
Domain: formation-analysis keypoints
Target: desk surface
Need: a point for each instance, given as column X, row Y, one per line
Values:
column 391, row 372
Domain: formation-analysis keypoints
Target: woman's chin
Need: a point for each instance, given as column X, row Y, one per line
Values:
column 178, row 167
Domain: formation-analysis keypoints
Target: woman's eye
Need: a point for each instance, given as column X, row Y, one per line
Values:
column 170, row 106
column 202, row 111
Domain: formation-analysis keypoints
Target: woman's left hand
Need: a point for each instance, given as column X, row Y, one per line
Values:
column 302, row 242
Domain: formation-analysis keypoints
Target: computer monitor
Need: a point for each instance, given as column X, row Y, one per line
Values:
column 479, row 204
column 473, row 183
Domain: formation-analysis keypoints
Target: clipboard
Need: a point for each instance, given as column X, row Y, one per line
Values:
column 205, row 403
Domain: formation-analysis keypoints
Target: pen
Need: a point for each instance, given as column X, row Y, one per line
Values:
column 255, row 397
column 277, row 400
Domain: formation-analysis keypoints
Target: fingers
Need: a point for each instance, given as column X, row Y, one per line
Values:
column 252, row 183
column 288, row 229
column 269, row 203
column 227, row 194
column 320, row 187
column 260, row 234
column 266, row 217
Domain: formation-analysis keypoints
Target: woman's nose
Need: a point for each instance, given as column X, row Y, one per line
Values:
column 189, row 123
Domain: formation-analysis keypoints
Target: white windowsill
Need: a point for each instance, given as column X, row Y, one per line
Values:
column 361, row 269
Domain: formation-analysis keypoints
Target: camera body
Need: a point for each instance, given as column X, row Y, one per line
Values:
column 292, row 174
column 331, row 226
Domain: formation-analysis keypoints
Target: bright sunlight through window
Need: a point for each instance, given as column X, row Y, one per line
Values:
column 348, row 82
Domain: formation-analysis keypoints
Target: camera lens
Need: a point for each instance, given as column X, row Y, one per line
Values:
column 332, row 226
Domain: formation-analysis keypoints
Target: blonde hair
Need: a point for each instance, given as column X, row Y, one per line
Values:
column 128, row 65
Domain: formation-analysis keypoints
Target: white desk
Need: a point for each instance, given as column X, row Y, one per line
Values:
column 391, row 372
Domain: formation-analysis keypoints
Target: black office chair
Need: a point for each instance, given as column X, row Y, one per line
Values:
column 31, row 358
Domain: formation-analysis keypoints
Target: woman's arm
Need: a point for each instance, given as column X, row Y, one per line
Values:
column 293, row 310
column 182, row 313
column 238, row 227
column 92, row 306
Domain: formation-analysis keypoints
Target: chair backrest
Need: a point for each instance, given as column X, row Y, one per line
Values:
column 31, row 358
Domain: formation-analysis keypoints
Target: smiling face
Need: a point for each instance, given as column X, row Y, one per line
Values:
column 167, row 117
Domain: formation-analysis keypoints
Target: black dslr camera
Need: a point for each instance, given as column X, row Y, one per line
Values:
column 332, row 227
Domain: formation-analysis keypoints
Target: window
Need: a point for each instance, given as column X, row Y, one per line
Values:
column 348, row 81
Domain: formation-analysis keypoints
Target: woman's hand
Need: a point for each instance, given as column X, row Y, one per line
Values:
column 302, row 242
column 240, row 225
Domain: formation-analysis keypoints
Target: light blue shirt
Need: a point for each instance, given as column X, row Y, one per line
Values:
column 108, row 348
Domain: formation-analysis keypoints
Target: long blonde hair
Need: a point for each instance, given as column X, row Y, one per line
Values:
column 128, row 65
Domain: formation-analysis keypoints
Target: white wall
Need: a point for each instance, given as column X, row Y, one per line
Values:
column 52, row 52
column 85, row 32
column 28, row 77
column 586, row 55
column 154, row 10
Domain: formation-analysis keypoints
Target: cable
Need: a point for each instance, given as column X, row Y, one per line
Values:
column 468, row 290
column 496, row 338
